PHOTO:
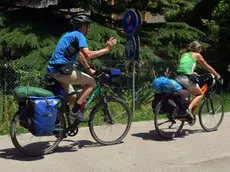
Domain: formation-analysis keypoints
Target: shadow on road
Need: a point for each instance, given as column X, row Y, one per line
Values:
column 76, row 145
column 69, row 146
column 186, row 132
column 14, row 154
column 153, row 135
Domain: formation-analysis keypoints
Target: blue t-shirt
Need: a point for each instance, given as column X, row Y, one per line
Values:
column 67, row 49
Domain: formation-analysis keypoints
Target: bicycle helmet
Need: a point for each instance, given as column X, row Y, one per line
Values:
column 79, row 20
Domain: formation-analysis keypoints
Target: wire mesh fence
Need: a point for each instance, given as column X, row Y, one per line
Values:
column 145, row 72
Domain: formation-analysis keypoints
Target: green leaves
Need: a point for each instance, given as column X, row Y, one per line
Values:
column 222, row 12
column 167, row 41
column 18, row 38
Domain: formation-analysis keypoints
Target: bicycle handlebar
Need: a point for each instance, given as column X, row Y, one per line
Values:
column 98, row 74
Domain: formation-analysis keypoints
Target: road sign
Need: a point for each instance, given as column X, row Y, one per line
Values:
column 130, row 47
column 130, row 22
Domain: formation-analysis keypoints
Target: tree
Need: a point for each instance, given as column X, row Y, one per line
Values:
column 217, row 28
column 34, row 33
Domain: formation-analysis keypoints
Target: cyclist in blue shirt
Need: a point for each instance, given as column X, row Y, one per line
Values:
column 73, row 46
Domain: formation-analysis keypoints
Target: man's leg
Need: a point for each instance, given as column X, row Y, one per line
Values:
column 76, row 78
column 80, row 78
column 89, row 84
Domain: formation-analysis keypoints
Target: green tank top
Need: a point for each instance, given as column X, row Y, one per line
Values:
column 187, row 64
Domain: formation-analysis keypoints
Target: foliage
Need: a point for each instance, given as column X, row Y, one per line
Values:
column 172, row 37
column 218, row 33
column 222, row 13
column 33, row 33
column 213, row 30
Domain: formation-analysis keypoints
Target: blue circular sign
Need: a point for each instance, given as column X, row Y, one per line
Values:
column 130, row 47
column 130, row 22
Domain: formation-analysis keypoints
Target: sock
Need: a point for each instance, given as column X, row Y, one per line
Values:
column 76, row 108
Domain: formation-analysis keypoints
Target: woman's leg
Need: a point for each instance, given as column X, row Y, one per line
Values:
column 199, row 95
column 193, row 89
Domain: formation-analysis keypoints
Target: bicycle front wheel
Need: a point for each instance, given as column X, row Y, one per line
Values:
column 32, row 145
column 110, row 122
column 211, row 112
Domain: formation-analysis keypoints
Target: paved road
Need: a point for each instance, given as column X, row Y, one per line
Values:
column 142, row 151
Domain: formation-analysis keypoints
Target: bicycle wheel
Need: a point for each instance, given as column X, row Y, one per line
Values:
column 211, row 112
column 172, row 126
column 114, row 116
column 36, row 146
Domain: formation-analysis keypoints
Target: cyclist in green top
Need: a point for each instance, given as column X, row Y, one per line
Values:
column 186, row 74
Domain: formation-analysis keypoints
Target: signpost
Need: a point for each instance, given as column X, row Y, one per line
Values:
column 131, row 24
column 130, row 48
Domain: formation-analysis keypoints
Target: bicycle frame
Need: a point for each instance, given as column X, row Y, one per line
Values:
column 96, row 91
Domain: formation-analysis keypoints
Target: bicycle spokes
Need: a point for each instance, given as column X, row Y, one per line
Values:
column 107, row 115
column 163, row 123
column 110, row 121
column 173, row 122
column 211, row 113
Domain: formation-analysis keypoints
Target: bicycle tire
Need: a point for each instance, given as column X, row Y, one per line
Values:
column 222, row 113
column 161, row 134
column 17, row 145
column 92, row 117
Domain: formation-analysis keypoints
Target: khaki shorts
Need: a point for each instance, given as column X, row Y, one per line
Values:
column 187, row 83
column 76, row 78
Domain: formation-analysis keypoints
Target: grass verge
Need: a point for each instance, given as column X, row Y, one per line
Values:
column 144, row 113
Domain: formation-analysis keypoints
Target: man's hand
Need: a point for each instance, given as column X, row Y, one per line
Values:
column 110, row 43
column 91, row 71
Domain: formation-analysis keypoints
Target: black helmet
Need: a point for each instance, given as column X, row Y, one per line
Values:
column 79, row 20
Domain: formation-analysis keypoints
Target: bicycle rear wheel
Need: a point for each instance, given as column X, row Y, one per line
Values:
column 165, row 126
column 112, row 119
column 28, row 144
column 211, row 112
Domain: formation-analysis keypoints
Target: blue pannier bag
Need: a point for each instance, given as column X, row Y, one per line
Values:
column 163, row 85
column 41, row 113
